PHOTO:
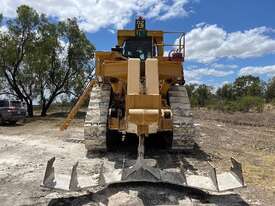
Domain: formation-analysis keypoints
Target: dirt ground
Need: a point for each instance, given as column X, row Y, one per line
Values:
column 25, row 149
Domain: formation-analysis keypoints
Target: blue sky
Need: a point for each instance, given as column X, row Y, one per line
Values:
column 224, row 39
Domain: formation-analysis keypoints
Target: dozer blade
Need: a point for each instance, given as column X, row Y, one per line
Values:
column 64, row 182
column 213, row 183
column 219, row 182
column 142, row 172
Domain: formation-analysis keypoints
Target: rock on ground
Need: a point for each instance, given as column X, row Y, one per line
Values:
column 124, row 199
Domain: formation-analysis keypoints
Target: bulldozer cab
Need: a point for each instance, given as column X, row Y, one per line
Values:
column 141, row 48
column 140, row 43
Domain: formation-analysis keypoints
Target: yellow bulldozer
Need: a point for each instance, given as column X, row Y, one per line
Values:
column 139, row 93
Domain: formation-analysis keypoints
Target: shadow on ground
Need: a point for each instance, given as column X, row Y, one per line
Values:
column 79, row 115
column 153, row 194
column 7, row 124
column 125, row 153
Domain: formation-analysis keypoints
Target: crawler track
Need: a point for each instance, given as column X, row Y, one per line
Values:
column 96, row 118
column 183, row 126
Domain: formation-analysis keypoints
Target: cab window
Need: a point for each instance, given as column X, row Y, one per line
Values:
column 142, row 48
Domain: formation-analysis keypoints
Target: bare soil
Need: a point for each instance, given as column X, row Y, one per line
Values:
column 249, row 137
column 26, row 147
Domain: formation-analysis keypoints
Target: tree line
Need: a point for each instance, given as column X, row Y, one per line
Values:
column 42, row 59
column 246, row 93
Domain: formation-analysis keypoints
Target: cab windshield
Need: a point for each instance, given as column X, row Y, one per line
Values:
column 142, row 48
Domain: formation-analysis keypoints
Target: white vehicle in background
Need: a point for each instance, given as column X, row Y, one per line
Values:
column 12, row 111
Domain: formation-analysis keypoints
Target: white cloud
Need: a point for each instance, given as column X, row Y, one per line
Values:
column 193, row 81
column 63, row 52
column 208, row 43
column 174, row 10
column 3, row 28
column 200, row 24
column 224, row 66
column 251, row 70
column 112, row 31
column 195, row 75
column 96, row 14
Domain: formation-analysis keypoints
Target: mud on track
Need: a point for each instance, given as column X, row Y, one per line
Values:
column 24, row 150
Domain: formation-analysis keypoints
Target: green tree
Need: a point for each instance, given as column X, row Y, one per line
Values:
column 248, row 86
column 190, row 88
column 225, row 92
column 202, row 95
column 270, row 90
column 248, row 103
column 41, row 60
column 14, row 45
column 61, row 61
